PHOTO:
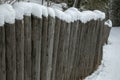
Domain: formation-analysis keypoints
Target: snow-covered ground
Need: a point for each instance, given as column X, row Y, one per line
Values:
column 110, row 68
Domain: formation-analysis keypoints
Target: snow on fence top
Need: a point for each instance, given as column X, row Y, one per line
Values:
column 7, row 14
column 19, row 9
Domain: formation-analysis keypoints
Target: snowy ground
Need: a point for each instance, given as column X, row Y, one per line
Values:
column 110, row 68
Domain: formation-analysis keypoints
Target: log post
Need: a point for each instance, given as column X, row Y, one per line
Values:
column 36, row 47
column 50, row 41
column 72, row 46
column 10, row 51
column 27, row 47
column 2, row 54
column 55, row 48
column 19, row 29
column 61, row 66
column 66, row 51
column 44, row 54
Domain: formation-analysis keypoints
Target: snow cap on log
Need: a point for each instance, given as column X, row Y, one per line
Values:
column 108, row 23
column 7, row 14
column 74, row 13
column 51, row 12
column 44, row 11
column 100, row 14
column 91, row 15
column 25, row 8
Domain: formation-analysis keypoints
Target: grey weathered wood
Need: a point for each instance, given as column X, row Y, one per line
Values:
column 66, row 50
column 106, row 32
column 27, row 48
column 36, row 47
column 55, row 49
column 61, row 66
column 60, row 58
column 44, row 52
column 94, row 42
column 78, row 66
column 72, row 46
column 92, row 46
column 19, row 29
column 99, row 45
column 10, row 51
column 2, row 54
column 50, row 38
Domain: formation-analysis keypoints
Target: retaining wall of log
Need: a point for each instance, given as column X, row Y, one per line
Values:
column 50, row 49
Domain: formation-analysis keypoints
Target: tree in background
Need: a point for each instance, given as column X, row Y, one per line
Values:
column 102, row 5
column 115, row 12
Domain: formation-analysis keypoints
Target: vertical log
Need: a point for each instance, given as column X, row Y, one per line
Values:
column 66, row 51
column 44, row 54
column 2, row 54
column 72, row 45
column 50, row 40
column 92, row 46
column 36, row 47
column 27, row 48
column 19, row 29
column 79, row 53
column 94, row 42
column 61, row 66
column 10, row 51
column 99, row 45
column 55, row 49
column 60, row 55
column 106, row 32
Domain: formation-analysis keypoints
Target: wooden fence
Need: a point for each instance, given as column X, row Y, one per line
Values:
column 50, row 49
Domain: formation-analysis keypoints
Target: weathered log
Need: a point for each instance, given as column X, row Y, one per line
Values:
column 36, row 47
column 92, row 46
column 106, row 32
column 2, row 54
column 55, row 49
column 99, row 45
column 72, row 46
column 60, row 57
column 19, row 29
column 27, row 48
column 61, row 66
column 50, row 41
column 66, row 51
column 10, row 51
column 44, row 54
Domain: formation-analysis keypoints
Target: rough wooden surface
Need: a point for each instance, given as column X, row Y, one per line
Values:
column 61, row 66
column 36, row 47
column 51, row 49
column 44, row 54
column 50, row 45
column 27, row 48
column 2, row 54
column 55, row 48
column 10, row 41
column 19, row 29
